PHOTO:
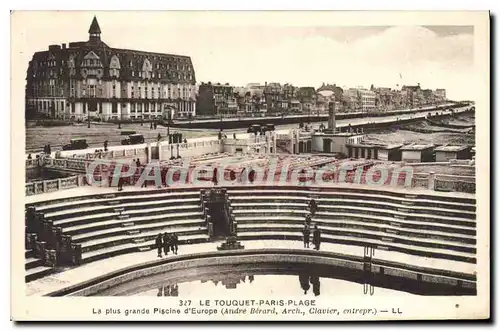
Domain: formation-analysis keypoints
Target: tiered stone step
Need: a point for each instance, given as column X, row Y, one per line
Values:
column 38, row 272
column 344, row 223
column 442, row 211
column 98, row 222
column 137, row 247
column 32, row 262
column 115, row 240
column 116, row 224
column 417, row 224
column 121, row 208
column 378, row 244
column 34, row 267
column 110, row 200
column 363, row 196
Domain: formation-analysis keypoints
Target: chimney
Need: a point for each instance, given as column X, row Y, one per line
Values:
column 331, row 116
column 63, row 46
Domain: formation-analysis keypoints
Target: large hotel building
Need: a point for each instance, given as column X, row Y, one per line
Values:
column 90, row 78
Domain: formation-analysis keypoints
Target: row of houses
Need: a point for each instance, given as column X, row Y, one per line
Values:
column 256, row 99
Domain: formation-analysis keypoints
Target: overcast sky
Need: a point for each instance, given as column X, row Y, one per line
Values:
column 240, row 52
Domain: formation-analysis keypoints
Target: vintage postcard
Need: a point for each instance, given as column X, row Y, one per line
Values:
column 184, row 165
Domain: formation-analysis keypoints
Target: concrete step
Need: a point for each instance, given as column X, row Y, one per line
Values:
column 375, row 195
column 364, row 220
column 116, row 223
column 88, row 214
column 116, row 240
column 328, row 203
column 33, row 262
column 132, row 247
column 335, row 212
column 134, row 198
column 369, row 234
column 398, row 247
column 361, row 225
column 29, row 253
column 38, row 272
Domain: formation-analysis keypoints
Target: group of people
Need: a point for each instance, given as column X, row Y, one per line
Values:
column 47, row 149
column 306, row 231
column 167, row 242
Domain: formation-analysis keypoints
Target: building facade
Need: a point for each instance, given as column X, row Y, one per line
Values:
column 216, row 100
column 92, row 80
column 440, row 94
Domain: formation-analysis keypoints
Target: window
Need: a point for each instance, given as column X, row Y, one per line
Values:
column 140, row 95
column 92, row 90
column 159, row 75
column 133, row 73
column 132, row 107
column 114, row 91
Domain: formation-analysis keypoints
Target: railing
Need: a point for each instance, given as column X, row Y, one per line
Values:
column 183, row 146
column 112, row 154
column 33, row 163
column 52, row 185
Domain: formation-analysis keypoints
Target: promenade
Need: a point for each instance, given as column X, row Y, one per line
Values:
column 96, row 135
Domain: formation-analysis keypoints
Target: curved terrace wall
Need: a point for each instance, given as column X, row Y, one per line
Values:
column 381, row 273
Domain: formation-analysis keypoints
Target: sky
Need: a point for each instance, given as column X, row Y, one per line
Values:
column 257, row 51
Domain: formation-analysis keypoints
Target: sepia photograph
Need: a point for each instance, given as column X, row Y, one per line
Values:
column 250, row 165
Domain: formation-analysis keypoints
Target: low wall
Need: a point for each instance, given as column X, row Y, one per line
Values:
column 352, row 266
column 53, row 185
column 190, row 149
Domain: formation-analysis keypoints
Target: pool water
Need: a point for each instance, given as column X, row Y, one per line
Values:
column 244, row 280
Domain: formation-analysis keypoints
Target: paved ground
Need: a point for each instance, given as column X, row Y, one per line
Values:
column 91, row 270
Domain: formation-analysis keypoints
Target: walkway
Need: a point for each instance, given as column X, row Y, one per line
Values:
column 88, row 271
column 280, row 129
column 91, row 190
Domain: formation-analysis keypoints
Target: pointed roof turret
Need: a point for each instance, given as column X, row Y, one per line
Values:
column 94, row 27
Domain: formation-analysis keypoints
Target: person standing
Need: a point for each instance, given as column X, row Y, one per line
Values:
column 316, row 237
column 308, row 220
column 166, row 244
column 171, row 240
column 120, row 183
column 313, row 206
column 215, row 179
column 176, row 242
column 306, row 235
column 159, row 244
